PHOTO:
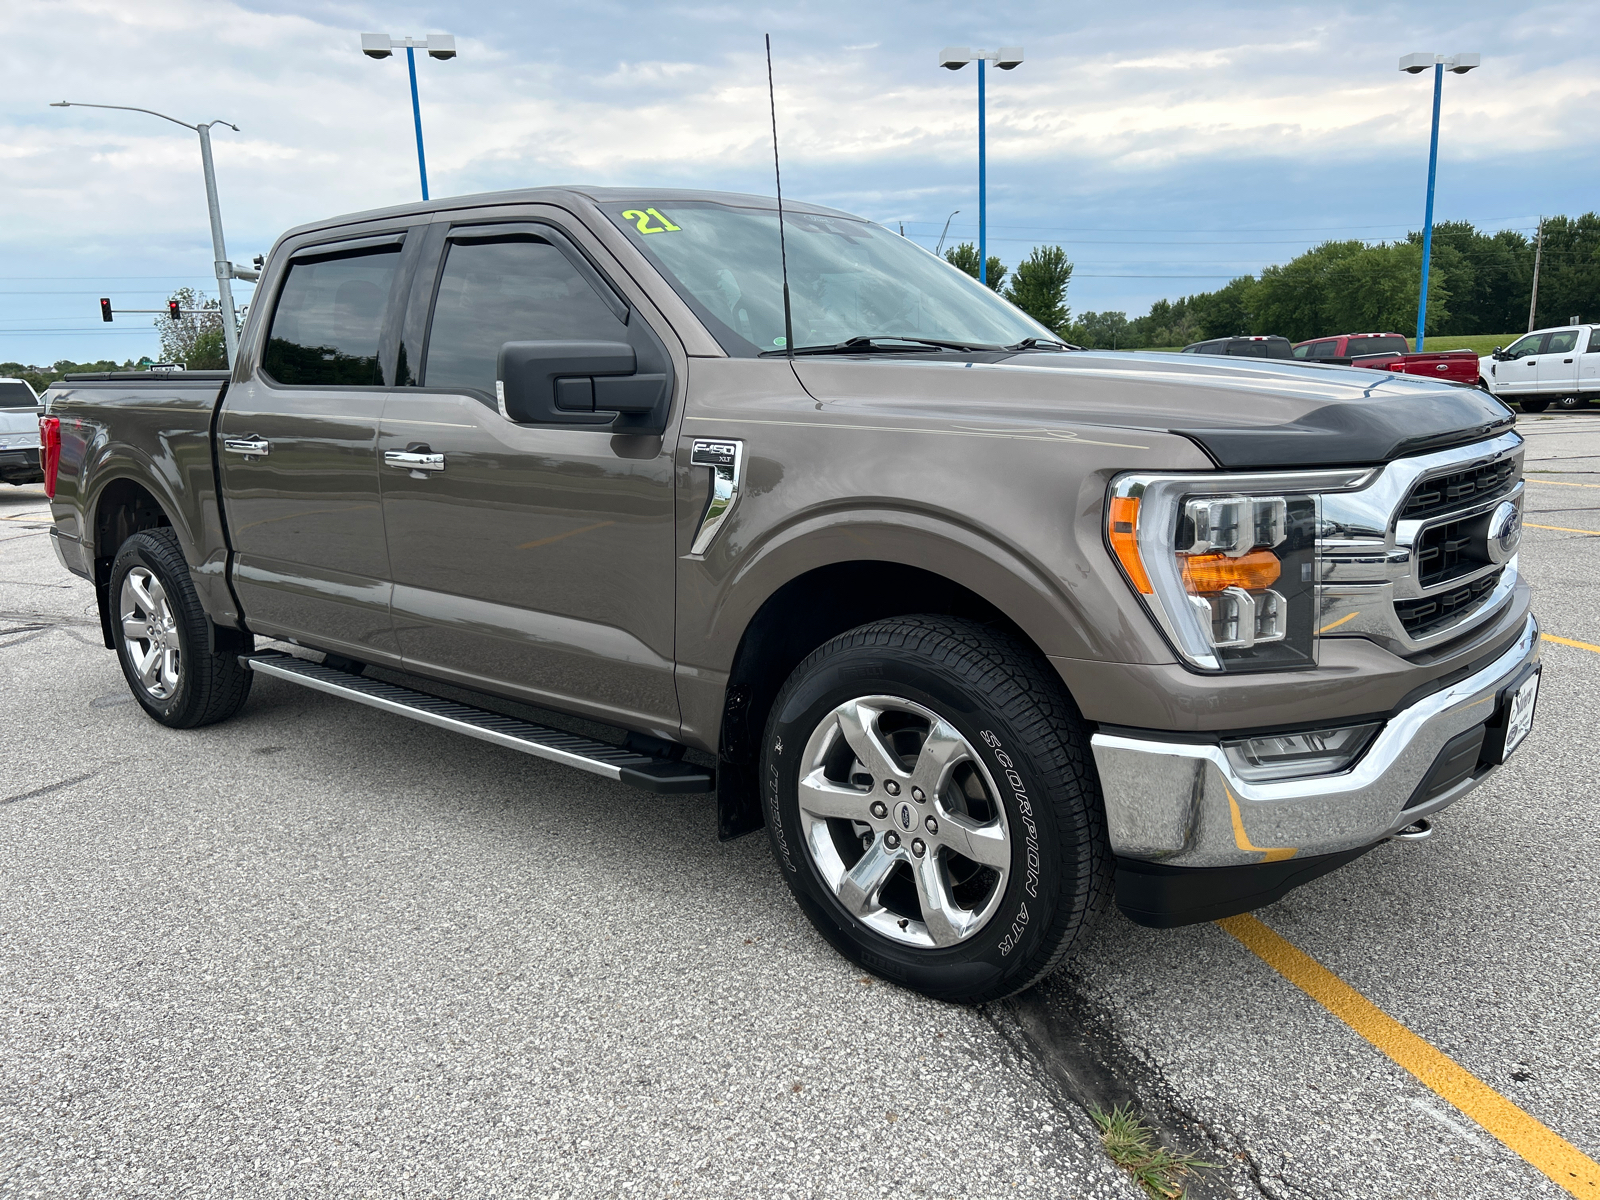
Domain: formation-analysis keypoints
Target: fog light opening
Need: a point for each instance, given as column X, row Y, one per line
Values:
column 1296, row 755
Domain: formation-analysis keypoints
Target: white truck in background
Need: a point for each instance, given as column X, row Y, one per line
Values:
column 19, row 433
column 1559, row 366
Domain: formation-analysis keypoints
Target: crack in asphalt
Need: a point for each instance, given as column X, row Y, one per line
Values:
column 1083, row 1063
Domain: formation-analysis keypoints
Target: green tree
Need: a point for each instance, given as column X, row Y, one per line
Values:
column 965, row 258
column 1039, row 287
column 194, row 339
column 1569, row 271
column 1101, row 331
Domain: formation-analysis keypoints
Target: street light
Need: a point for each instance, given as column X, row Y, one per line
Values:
column 1007, row 58
column 438, row 45
column 1415, row 64
column 226, row 271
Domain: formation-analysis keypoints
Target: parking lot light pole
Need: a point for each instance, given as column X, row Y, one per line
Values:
column 226, row 271
column 1415, row 64
column 438, row 45
column 1007, row 58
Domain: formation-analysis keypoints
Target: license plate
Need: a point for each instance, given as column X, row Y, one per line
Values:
column 1519, row 713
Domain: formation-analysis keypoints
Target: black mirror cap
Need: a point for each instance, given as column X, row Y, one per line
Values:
column 580, row 383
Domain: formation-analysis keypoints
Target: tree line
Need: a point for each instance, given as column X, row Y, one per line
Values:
column 1478, row 282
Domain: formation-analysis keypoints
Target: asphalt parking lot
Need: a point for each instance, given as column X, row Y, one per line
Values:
column 321, row 951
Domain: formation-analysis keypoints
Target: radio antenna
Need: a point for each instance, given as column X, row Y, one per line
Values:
column 783, row 249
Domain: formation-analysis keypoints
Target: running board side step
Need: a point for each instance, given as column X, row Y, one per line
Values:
column 651, row 774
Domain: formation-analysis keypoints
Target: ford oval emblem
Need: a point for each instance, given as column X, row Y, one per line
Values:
column 905, row 815
column 1505, row 532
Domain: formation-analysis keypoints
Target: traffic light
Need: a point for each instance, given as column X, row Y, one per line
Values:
column 105, row 308
column 173, row 311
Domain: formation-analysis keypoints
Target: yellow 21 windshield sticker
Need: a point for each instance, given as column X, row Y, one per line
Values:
column 642, row 221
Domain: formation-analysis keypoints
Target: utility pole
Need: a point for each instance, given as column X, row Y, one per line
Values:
column 1538, row 252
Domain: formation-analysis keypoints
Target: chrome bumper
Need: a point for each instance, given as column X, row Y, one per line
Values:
column 1181, row 803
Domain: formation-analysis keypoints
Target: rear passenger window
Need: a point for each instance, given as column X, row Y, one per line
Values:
column 1563, row 342
column 517, row 289
column 1594, row 340
column 1324, row 349
column 329, row 318
column 1248, row 349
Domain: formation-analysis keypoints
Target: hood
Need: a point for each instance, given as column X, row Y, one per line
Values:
column 1246, row 414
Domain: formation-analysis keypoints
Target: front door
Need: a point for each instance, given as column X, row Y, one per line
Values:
column 1518, row 373
column 533, row 561
column 298, row 446
column 1558, row 364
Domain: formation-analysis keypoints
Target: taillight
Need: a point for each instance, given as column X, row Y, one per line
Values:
column 50, row 452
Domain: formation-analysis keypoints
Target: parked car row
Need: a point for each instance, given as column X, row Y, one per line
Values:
column 1558, row 366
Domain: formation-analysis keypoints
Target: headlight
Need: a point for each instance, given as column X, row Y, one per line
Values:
column 1225, row 564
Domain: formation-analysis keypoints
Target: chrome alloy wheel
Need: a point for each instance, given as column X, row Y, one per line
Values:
column 903, row 821
column 151, row 633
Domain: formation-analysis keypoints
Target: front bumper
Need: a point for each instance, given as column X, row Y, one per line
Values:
column 1180, row 804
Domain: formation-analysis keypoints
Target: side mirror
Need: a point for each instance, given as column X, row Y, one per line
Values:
column 580, row 383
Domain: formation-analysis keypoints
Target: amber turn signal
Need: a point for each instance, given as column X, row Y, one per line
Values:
column 1204, row 573
column 1123, row 524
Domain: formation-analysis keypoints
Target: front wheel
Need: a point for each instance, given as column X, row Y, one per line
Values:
column 933, row 807
column 1534, row 406
column 162, row 639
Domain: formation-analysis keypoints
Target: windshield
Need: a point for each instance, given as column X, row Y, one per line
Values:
column 847, row 279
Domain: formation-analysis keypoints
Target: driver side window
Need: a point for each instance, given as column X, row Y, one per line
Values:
column 1524, row 347
column 507, row 289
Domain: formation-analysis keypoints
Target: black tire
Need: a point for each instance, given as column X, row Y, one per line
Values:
column 206, row 686
column 1534, row 406
column 1022, row 727
column 1570, row 402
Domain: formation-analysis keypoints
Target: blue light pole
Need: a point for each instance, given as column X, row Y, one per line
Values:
column 1007, row 58
column 1415, row 64
column 438, row 45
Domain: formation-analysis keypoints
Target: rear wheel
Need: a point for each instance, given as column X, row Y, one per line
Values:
column 162, row 637
column 1534, row 406
column 932, row 805
column 1570, row 402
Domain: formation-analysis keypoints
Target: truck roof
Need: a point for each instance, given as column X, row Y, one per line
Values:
column 566, row 195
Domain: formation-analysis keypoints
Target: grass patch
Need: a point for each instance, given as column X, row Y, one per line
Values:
column 1133, row 1147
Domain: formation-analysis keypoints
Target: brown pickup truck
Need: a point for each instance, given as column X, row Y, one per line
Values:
column 986, row 633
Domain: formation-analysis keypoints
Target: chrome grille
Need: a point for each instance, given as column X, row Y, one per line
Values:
column 1405, row 559
column 1443, row 493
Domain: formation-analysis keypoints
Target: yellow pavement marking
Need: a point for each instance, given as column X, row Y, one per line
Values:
column 1561, row 641
column 1562, row 529
column 569, row 533
column 1522, row 1133
column 1273, row 853
column 1339, row 622
column 1561, row 483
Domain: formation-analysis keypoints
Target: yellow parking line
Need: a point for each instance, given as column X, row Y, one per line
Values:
column 1563, row 529
column 1522, row 1133
column 1561, row 641
column 1561, row 483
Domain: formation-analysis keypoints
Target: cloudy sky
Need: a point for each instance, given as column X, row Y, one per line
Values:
column 1168, row 146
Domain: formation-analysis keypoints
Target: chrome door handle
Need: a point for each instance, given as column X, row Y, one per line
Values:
column 250, row 447
column 413, row 460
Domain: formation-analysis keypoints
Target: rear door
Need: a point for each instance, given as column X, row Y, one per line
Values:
column 298, row 448
column 1558, row 363
column 1589, row 364
column 537, row 561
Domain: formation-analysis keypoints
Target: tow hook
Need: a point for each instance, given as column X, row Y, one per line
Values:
column 1416, row 831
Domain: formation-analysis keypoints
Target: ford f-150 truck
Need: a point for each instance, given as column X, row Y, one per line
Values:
column 1549, row 366
column 1391, row 352
column 985, row 632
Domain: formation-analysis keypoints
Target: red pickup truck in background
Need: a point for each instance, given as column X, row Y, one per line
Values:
column 1391, row 352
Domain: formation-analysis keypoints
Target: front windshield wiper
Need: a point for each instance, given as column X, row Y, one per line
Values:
column 1038, row 343
column 858, row 345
